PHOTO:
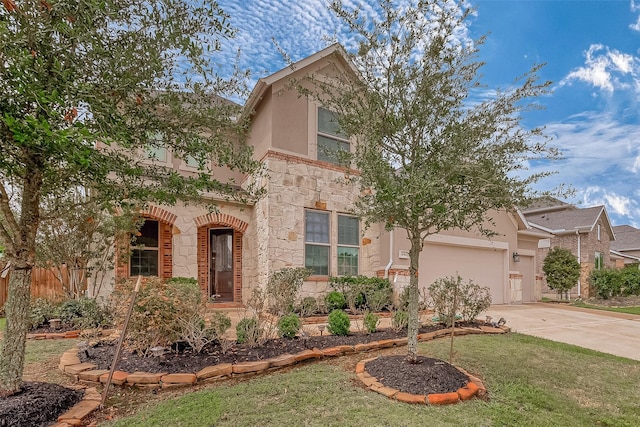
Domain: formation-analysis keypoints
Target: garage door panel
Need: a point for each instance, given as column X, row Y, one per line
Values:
column 484, row 266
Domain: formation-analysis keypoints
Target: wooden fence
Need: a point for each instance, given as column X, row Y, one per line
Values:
column 44, row 284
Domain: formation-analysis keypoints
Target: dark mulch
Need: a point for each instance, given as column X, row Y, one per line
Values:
column 38, row 404
column 425, row 377
column 183, row 360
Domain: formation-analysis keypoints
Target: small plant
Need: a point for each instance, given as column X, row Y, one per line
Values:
column 248, row 331
column 400, row 320
column 308, row 307
column 371, row 321
column 220, row 323
column 41, row 310
column 338, row 323
column 283, row 287
column 83, row 313
column 335, row 301
column 192, row 330
column 451, row 296
column 289, row 325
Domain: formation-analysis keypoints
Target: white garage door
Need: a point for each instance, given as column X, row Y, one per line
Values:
column 482, row 265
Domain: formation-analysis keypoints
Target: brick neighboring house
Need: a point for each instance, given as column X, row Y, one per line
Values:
column 304, row 219
column 626, row 248
column 586, row 232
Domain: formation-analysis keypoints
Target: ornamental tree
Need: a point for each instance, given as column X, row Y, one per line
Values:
column 435, row 151
column 86, row 89
column 562, row 269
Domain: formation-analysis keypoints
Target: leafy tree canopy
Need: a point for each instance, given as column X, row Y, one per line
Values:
column 561, row 269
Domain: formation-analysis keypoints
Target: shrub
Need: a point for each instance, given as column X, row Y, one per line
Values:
column 308, row 306
column 362, row 292
column 335, row 301
column 283, row 287
column 371, row 321
column 158, row 306
column 248, row 331
column 607, row 282
column 41, row 310
column 630, row 280
column 338, row 323
column 220, row 323
column 561, row 269
column 451, row 295
column 400, row 320
column 83, row 313
column 193, row 331
column 289, row 325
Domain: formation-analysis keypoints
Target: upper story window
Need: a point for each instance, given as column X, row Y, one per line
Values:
column 155, row 150
column 599, row 236
column 145, row 255
column 331, row 141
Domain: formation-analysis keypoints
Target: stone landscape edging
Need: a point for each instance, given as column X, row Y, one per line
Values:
column 473, row 387
column 87, row 373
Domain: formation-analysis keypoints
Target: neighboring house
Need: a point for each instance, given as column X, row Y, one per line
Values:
column 626, row 247
column 304, row 219
column 586, row 232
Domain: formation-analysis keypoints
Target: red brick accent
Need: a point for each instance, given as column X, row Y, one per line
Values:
column 165, row 221
column 393, row 272
column 215, row 220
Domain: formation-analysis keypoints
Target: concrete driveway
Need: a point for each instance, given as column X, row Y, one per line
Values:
column 605, row 331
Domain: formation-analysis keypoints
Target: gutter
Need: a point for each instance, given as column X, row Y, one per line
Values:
column 579, row 262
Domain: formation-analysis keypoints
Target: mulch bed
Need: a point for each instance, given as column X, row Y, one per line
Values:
column 185, row 361
column 38, row 404
column 428, row 376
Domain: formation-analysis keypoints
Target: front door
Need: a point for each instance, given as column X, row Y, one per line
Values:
column 221, row 264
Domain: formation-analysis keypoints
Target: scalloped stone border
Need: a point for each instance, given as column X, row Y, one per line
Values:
column 88, row 374
column 473, row 387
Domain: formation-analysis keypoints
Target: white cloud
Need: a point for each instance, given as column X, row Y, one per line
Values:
column 636, row 26
column 607, row 69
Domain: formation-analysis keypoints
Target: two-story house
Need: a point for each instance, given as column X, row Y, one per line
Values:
column 586, row 232
column 305, row 220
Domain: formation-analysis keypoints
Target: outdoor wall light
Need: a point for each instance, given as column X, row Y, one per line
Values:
column 516, row 257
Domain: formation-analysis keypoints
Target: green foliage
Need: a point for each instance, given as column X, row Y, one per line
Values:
column 283, row 287
column 451, row 296
column 220, row 324
column 371, row 321
column 289, row 325
column 335, row 301
column 338, row 323
column 41, row 310
column 308, row 307
column 160, row 311
column 362, row 292
column 562, row 269
column 84, row 313
column 247, row 330
column 400, row 320
column 610, row 282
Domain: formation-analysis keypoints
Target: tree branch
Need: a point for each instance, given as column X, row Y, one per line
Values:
column 9, row 227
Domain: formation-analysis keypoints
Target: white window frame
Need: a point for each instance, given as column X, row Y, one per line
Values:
column 159, row 144
column 339, row 139
column 348, row 246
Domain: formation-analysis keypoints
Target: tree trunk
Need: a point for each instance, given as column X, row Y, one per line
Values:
column 414, row 300
column 13, row 345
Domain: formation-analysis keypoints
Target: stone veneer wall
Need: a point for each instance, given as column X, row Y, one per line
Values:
column 296, row 184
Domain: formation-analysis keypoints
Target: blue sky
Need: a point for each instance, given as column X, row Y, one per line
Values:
column 592, row 54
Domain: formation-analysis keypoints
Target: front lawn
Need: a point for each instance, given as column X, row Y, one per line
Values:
column 628, row 310
column 531, row 382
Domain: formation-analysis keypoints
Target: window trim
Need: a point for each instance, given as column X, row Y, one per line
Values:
column 334, row 137
column 143, row 247
column 345, row 245
column 158, row 137
column 327, row 245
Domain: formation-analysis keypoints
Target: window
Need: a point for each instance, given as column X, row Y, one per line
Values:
column 348, row 245
column 599, row 232
column 317, row 245
column 155, row 149
column 599, row 263
column 146, row 252
column 332, row 143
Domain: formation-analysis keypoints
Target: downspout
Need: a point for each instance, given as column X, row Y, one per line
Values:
column 388, row 266
column 579, row 262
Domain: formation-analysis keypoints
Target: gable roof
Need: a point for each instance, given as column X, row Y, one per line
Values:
column 263, row 84
column 569, row 219
column 627, row 238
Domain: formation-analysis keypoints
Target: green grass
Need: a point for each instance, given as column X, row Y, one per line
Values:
column 3, row 323
column 531, row 382
column 628, row 310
